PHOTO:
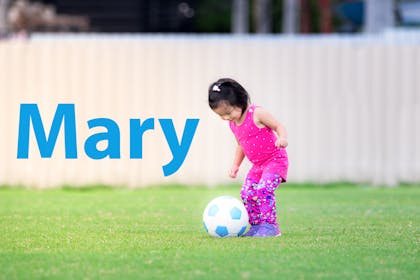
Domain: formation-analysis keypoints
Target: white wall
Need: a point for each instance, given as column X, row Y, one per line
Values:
column 350, row 104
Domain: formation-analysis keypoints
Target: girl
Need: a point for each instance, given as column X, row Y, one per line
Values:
column 255, row 130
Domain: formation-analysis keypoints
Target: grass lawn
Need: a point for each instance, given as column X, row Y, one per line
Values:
column 330, row 232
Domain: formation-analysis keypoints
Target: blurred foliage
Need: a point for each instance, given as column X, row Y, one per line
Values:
column 213, row 16
column 315, row 17
column 208, row 16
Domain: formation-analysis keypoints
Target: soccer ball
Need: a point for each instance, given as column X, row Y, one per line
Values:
column 225, row 216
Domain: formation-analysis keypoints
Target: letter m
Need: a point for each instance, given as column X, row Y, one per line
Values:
column 64, row 113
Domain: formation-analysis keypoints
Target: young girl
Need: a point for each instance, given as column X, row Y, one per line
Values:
column 262, row 139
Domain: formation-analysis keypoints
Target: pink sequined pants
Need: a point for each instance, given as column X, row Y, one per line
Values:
column 258, row 189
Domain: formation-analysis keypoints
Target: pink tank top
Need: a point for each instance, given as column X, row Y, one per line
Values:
column 257, row 143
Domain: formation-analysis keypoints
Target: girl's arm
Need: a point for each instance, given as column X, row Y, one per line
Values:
column 239, row 157
column 264, row 118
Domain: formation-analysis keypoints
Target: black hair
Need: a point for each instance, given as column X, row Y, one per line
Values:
column 228, row 91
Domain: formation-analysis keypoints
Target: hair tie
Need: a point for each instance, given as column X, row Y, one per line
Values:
column 216, row 88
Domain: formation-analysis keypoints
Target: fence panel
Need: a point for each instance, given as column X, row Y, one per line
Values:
column 350, row 104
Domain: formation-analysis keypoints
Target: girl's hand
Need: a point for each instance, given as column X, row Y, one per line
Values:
column 281, row 142
column 233, row 172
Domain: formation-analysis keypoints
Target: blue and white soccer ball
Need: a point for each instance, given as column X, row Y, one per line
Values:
column 225, row 216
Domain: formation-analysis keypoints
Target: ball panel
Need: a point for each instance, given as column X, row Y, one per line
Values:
column 235, row 213
column 213, row 210
column 222, row 231
column 242, row 231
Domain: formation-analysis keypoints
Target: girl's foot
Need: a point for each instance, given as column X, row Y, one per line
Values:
column 267, row 230
column 253, row 230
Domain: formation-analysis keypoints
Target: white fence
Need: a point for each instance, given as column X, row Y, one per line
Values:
column 350, row 104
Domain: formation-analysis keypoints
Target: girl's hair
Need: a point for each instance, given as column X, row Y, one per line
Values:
column 228, row 91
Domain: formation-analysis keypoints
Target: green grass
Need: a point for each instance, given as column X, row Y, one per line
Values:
column 332, row 232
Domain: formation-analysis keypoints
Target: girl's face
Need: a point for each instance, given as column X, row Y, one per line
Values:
column 228, row 112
